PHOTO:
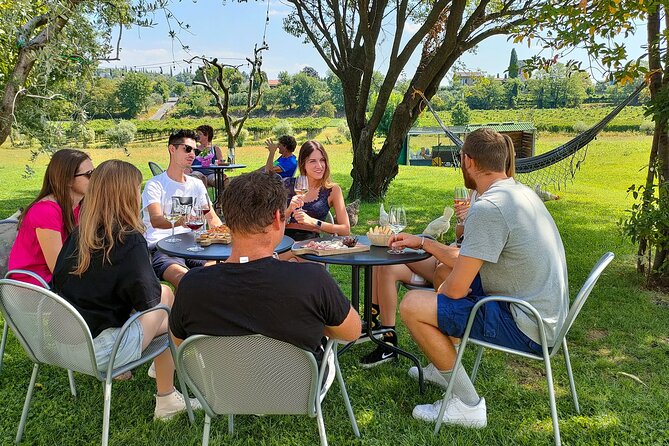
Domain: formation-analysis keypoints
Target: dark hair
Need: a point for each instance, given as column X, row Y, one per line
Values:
column 288, row 142
column 490, row 149
column 207, row 130
column 57, row 180
column 250, row 201
column 305, row 152
column 178, row 137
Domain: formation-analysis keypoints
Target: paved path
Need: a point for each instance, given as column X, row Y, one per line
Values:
column 162, row 111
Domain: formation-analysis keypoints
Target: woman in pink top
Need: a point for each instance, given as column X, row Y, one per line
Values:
column 49, row 219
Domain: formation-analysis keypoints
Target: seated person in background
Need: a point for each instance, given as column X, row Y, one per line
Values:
column 511, row 248
column 52, row 216
column 205, row 136
column 104, row 271
column 423, row 273
column 286, row 163
column 306, row 212
column 173, row 182
column 254, row 293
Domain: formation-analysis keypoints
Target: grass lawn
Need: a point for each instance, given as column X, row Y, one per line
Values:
column 622, row 329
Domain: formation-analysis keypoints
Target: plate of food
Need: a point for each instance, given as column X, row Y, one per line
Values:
column 220, row 234
column 329, row 246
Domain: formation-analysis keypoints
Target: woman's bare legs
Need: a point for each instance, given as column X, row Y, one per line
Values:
column 155, row 324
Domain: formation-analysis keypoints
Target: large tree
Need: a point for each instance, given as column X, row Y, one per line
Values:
column 601, row 28
column 347, row 35
column 50, row 41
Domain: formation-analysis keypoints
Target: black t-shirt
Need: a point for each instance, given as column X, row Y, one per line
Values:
column 106, row 294
column 289, row 301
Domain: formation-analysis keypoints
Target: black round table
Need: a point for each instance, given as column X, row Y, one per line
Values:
column 376, row 256
column 216, row 251
column 219, row 179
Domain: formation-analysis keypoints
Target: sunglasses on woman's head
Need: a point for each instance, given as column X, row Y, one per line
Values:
column 85, row 174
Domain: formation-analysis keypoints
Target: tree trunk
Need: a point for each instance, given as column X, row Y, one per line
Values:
column 24, row 63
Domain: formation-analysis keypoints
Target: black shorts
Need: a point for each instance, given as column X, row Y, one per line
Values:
column 298, row 234
column 161, row 261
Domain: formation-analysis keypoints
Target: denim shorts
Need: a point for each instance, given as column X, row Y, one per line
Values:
column 161, row 261
column 130, row 348
column 494, row 322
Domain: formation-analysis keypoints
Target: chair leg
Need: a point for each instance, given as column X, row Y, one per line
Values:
column 551, row 397
column 231, row 424
column 477, row 362
column 105, row 411
column 449, row 389
column 3, row 343
column 206, row 430
column 570, row 375
column 26, row 405
column 321, row 423
column 344, row 394
column 70, row 378
column 182, row 385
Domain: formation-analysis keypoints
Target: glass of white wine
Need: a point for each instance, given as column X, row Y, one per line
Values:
column 398, row 221
column 461, row 197
column 301, row 186
column 172, row 213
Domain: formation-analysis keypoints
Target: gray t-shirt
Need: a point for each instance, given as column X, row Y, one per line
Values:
column 510, row 229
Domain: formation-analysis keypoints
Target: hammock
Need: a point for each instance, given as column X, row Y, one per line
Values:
column 556, row 166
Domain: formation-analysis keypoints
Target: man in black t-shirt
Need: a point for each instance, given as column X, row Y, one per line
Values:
column 254, row 293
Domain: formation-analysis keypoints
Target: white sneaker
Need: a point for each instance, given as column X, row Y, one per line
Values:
column 430, row 374
column 152, row 371
column 456, row 412
column 170, row 405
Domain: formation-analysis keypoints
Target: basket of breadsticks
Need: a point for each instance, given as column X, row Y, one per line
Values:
column 379, row 235
column 220, row 234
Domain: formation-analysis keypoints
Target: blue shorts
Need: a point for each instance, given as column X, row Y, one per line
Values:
column 161, row 261
column 130, row 348
column 494, row 322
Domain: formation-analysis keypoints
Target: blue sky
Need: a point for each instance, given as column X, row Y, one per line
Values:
column 230, row 31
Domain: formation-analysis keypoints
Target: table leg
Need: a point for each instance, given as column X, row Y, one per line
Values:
column 371, row 333
column 219, row 176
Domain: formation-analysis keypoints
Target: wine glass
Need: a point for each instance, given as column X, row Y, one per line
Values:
column 204, row 208
column 398, row 221
column 171, row 214
column 301, row 186
column 461, row 197
column 195, row 221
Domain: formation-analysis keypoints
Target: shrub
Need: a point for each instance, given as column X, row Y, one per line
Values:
column 580, row 127
column 241, row 138
column 344, row 131
column 327, row 110
column 155, row 99
column 80, row 133
column 648, row 127
column 460, row 113
column 121, row 134
column 283, row 127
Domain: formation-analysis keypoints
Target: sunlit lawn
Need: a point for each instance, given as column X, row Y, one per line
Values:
column 622, row 329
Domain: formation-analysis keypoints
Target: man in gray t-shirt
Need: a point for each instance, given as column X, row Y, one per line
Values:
column 511, row 247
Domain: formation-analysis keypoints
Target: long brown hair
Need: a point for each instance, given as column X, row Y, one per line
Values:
column 57, row 181
column 305, row 152
column 111, row 211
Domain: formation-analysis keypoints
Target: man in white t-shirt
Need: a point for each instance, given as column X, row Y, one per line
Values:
column 173, row 183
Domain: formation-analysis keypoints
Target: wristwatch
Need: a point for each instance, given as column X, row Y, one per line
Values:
column 319, row 223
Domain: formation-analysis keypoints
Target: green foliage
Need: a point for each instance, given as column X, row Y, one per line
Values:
column 121, row 134
column 647, row 127
column 327, row 110
column 133, row 93
column 487, row 93
column 80, row 133
column 344, row 131
column 336, row 90
column 649, row 220
column 460, row 114
column 161, row 87
column 384, row 125
column 283, row 127
column 513, row 65
column 241, row 137
column 306, row 91
column 580, row 127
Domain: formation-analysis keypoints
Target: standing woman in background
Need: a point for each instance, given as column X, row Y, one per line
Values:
column 52, row 216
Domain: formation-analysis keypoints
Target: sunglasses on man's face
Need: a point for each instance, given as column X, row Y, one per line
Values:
column 85, row 174
column 188, row 148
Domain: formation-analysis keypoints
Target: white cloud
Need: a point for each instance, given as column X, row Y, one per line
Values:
column 411, row 28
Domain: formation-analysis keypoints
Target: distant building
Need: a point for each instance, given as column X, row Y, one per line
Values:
column 273, row 83
column 466, row 77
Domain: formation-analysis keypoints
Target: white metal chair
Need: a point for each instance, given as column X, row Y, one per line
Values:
column 256, row 374
column 51, row 331
column 547, row 350
column 8, row 232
